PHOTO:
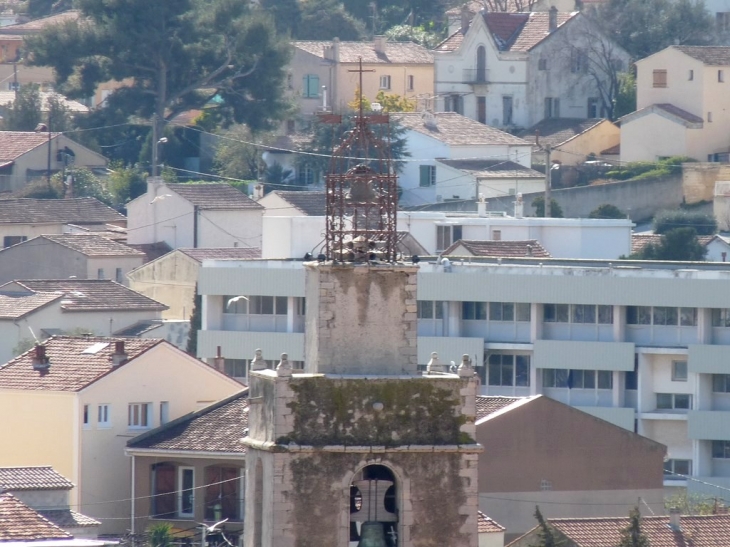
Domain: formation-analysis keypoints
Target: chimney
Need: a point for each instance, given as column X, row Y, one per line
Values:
column 465, row 18
column 675, row 519
column 336, row 50
column 219, row 363
column 481, row 206
column 519, row 206
column 552, row 19
column 258, row 192
column 379, row 44
column 119, row 357
column 40, row 361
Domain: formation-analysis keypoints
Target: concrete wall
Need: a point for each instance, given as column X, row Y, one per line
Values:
column 698, row 180
column 640, row 199
column 160, row 374
column 170, row 280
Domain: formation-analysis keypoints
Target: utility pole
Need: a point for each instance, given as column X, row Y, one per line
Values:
column 548, row 172
column 155, row 137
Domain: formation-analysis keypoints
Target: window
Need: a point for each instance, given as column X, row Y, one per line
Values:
column 446, row 235
column 482, row 110
column 508, row 370
column 577, row 379
column 677, row 469
column 163, row 490
column 310, row 86
column 138, row 415
column 86, row 416
column 721, row 383
column 673, row 401
column 429, row 309
column 223, row 495
column 679, row 371
column 481, row 75
column 255, row 305
column 552, row 107
column 509, row 311
column 720, row 76
column 721, row 317
column 578, row 62
column 577, row 313
column 427, row 175
column 385, row 82
column 632, row 377
column 691, row 75
column 507, row 110
column 556, row 313
column 721, row 449
column 235, row 368
column 660, row 315
column 723, row 21
column 411, row 83
column 13, row 240
column 103, row 416
column 454, row 103
column 592, row 107
column 583, row 313
column 305, row 175
column 164, row 412
column 474, row 311
column 118, row 275
column 496, row 235
column 542, row 64
column 100, row 273
column 660, row 78
column 186, row 492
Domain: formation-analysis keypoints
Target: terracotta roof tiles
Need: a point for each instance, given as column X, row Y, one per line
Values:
column 350, row 52
column 493, row 169
column 14, row 144
column 555, row 131
column 216, row 428
column 522, row 31
column 487, row 525
column 503, row 248
column 455, row 129
column 75, row 362
column 87, row 294
column 222, row 253
column 56, row 211
column 639, row 241
column 15, row 306
column 42, row 477
column 90, row 244
column 214, row 196
column 18, row 522
column 66, row 518
column 709, row 55
column 308, row 203
column 487, row 405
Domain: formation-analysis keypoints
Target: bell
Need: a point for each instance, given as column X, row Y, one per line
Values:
column 372, row 534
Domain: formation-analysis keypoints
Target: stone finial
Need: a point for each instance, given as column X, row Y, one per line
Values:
column 284, row 367
column 258, row 362
column 434, row 365
column 465, row 369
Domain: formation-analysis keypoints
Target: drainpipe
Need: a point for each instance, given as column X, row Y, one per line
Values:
column 133, row 491
column 196, row 212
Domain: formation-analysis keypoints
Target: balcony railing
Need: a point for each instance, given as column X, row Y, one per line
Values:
column 475, row 76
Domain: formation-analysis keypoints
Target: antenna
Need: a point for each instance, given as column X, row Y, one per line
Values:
column 33, row 334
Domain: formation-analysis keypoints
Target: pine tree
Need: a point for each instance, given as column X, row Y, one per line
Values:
column 546, row 536
column 631, row 536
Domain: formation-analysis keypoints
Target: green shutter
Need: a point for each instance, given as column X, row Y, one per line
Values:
column 313, row 88
column 425, row 175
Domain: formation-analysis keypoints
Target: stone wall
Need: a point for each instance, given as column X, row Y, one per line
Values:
column 698, row 180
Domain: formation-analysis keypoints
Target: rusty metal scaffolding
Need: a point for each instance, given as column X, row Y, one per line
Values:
column 361, row 193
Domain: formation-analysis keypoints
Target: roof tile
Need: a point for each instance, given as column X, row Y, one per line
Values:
column 555, row 131
column 18, row 522
column 222, row 253
column 89, row 244
column 505, row 249
column 639, row 241
column 216, row 428
column 486, row 524
column 70, row 368
column 493, row 169
column 15, row 306
column 487, row 405
column 351, row 52
column 42, row 477
column 60, row 211
column 709, row 55
column 455, row 129
column 522, row 31
column 66, row 518
column 214, row 196
column 87, row 294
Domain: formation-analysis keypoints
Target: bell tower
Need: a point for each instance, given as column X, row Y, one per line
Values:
column 362, row 449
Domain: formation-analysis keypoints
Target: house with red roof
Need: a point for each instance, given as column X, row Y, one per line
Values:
column 512, row 70
column 72, row 403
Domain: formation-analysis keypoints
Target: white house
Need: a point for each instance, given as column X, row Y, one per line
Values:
column 472, row 179
column 682, row 106
column 194, row 215
column 514, row 69
column 455, row 137
column 643, row 345
column 36, row 309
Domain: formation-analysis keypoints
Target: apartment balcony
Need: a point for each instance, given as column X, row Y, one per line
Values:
column 581, row 355
column 708, row 358
column 475, row 76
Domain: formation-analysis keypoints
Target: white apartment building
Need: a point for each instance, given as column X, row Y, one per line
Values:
column 645, row 346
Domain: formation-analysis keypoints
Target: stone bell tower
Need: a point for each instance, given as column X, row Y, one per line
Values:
column 361, row 450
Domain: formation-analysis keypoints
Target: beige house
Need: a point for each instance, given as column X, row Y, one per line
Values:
column 573, row 140
column 491, row 533
column 24, row 155
column 682, row 106
column 73, row 403
column 322, row 77
column 64, row 256
column 26, row 218
column 171, row 279
column 201, row 451
column 563, row 459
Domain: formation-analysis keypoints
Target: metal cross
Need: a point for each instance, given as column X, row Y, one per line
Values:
column 361, row 70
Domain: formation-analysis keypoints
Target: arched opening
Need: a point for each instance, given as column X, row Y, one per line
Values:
column 481, row 64
column 258, row 500
column 374, row 508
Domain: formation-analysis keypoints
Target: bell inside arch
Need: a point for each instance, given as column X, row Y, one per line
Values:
column 372, row 534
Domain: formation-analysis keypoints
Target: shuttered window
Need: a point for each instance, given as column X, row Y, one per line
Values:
column 660, row 78
column 310, row 86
